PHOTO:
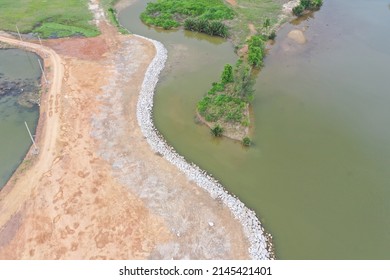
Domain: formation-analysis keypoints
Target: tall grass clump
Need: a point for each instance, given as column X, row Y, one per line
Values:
column 213, row 28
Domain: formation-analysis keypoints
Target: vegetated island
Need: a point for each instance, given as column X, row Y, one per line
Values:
column 249, row 25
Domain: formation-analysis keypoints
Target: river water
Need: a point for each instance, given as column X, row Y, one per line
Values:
column 21, row 70
column 318, row 174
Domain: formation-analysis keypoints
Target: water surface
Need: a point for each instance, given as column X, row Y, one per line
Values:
column 318, row 174
column 16, row 66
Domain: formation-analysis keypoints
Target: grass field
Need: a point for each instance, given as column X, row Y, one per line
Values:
column 49, row 18
column 253, row 12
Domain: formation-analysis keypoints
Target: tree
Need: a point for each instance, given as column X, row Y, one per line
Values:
column 255, row 56
column 217, row 131
column 246, row 141
column 227, row 74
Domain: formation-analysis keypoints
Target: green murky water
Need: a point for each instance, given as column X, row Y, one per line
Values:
column 319, row 172
column 19, row 69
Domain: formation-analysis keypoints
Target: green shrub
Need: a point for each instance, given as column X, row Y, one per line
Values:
column 316, row 4
column 217, row 131
column 203, row 104
column 255, row 56
column 298, row 10
column 256, row 41
column 305, row 4
column 212, row 28
column 272, row 35
column 246, row 141
column 189, row 24
column 227, row 74
column 217, row 28
column 256, row 50
column 243, row 82
column 217, row 87
column 311, row 5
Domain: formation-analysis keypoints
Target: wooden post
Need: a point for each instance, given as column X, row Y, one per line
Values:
column 39, row 38
column 43, row 72
column 32, row 139
column 20, row 37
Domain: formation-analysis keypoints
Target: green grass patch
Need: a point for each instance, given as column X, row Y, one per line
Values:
column 57, row 30
column 71, row 17
column 254, row 12
column 205, row 16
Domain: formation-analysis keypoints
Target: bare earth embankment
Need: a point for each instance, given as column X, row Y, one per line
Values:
column 97, row 190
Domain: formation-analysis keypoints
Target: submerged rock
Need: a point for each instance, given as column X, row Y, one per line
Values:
column 297, row 35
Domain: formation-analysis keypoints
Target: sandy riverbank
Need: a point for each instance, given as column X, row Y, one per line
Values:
column 97, row 190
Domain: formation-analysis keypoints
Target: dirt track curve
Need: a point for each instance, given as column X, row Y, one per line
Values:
column 47, row 144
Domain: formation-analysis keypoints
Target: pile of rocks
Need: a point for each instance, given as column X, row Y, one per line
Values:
column 288, row 7
column 260, row 241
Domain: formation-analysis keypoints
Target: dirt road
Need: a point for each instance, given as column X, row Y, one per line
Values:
column 49, row 111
